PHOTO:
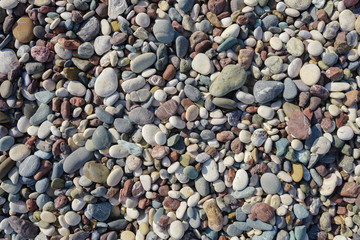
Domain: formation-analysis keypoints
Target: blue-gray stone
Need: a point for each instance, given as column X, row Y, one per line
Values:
column 104, row 116
column 101, row 138
column 202, row 186
column 281, row 146
column 186, row 5
column 26, row 180
column 300, row 212
column 247, row 192
column 227, row 44
column 6, row 143
column 40, row 115
column 212, row 235
column 123, row 125
column 43, row 154
column 86, row 50
column 270, row 183
column 99, row 211
column 89, row 30
column 163, row 31
column 29, row 166
column 76, row 160
column 192, row 93
column 10, row 187
column 316, row 132
column 300, row 232
column 303, row 156
column 117, row 225
column 329, row 59
column 141, row 116
column 42, row 185
column 158, row 214
column 57, row 170
column 290, row 90
column 265, row 91
column 175, row 15
column 266, row 235
column 44, row 96
column 260, row 225
column 269, row 21
column 316, row 177
column 42, row 199
column 99, row 191
column 131, row 148
column 240, row 215
column 181, row 46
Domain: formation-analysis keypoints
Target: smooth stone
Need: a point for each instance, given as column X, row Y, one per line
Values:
column 315, row 48
column 310, row 74
column 258, row 137
column 6, row 143
column 201, row 64
column 23, row 30
column 106, row 83
column 345, row 133
column 265, row 91
column 9, row 58
column 72, row 218
column 24, row 228
column 274, row 63
column 123, row 125
column 10, row 187
column 192, row 93
column 231, row 78
column 241, row 180
column 44, row 96
column 29, row 166
column 86, row 50
column 101, row 138
column 181, row 46
column 8, row 4
column 210, row 171
column 131, row 148
column 300, row 212
column 104, row 116
column 266, row 112
column 299, row 5
column 89, row 30
column 148, row 132
column 18, row 152
column 102, row 45
column 116, row 7
column 99, row 211
column 270, row 183
column 115, row 176
column 163, row 31
column 347, row 20
column 141, row 116
column 176, row 230
column 96, row 172
column 142, row 62
column 290, row 89
column 76, row 160
column 294, row 67
column 295, row 47
column 40, row 115
column 321, row 146
column 214, row 216
column 143, row 20
column 42, row 185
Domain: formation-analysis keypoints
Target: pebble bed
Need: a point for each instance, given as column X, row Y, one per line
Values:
column 147, row 120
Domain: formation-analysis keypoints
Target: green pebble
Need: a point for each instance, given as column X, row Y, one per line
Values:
column 184, row 160
column 257, row 119
column 190, row 172
column 43, row 224
column 49, row 206
column 323, row 66
column 57, row 183
column 347, row 150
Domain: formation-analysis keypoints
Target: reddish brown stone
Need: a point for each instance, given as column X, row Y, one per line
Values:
column 350, row 189
column 334, row 73
column 70, row 44
column 225, row 136
column 171, row 204
column 236, row 146
column 169, row 72
column 163, row 222
column 127, row 188
column 31, row 205
column 299, row 125
column 197, row 37
column 118, row 38
column 261, row 211
column 40, row 54
column 216, row 6
column 112, row 192
column 65, row 110
column 159, row 152
column 137, row 189
column 351, row 97
column 163, row 190
column 322, row 15
column 319, row 91
column 45, row 167
column 245, row 57
column 167, row 109
column 60, row 201
column 341, row 120
column 202, row 46
column 242, row 20
column 77, row 101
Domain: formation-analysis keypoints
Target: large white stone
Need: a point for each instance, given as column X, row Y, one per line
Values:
column 106, row 83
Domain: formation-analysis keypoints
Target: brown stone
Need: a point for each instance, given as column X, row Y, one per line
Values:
column 23, row 30
column 261, row 211
column 169, row 72
column 236, row 146
column 171, row 204
column 159, row 152
column 60, row 201
column 214, row 215
column 156, row 80
column 341, row 120
column 77, row 101
column 65, row 110
column 70, row 44
column 216, row 6
column 304, row 98
column 31, row 205
column 163, row 190
column 319, row 91
column 45, row 167
column 137, row 189
column 202, row 46
column 167, row 109
column 127, row 188
column 334, row 73
column 299, row 125
column 225, row 136
column 245, row 57
column 40, row 54
column 118, row 38
column 351, row 97
column 213, row 19
column 163, row 222
column 350, row 189
column 197, row 37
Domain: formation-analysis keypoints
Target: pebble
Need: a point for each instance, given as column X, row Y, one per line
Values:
column 270, row 183
column 310, row 74
column 106, row 83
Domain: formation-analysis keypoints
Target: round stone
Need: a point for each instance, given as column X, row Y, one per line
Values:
column 18, row 152
column 210, row 171
column 176, row 229
column 300, row 5
column 270, row 183
column 29, row 166
column 8, row 58
column 310, row 74
column 315, row 48
column 72, row 218
column 295, row 47
column 345, row 133
column 23, row 30
column 266, row 112
column 106, row 83
column 201, row 64
column 48, row 217
column 143, row 20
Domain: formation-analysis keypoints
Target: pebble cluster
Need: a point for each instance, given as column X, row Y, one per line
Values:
column 164, row 119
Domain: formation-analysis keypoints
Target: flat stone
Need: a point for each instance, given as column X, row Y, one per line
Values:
column 89, row 29
column 210, row 171
column 141, row 116
column 29, row 166
column 299, row 125
column 99, row 211
column 163, row 31
column 265, row 91
column 76, row 160
column 213, row 214
column 96, row 172
column 270, row 183
column 23, row 30
column 231, row 78
column 101, row 138
column 142, row 62
column 201, row 64
column 18, row 152
column 106, row 83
